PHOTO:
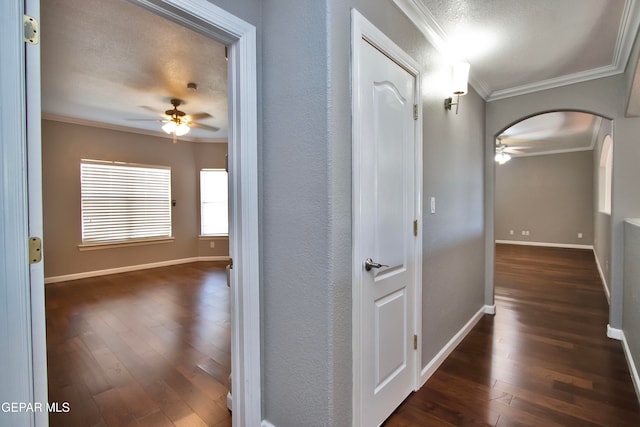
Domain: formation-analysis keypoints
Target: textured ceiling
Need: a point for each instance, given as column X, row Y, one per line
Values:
column 557, row 132
column 109, row 61
column 520, row 44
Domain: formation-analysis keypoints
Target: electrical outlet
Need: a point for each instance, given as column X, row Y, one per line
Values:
column 579, row 235
column 511, row 232
column 212, row 244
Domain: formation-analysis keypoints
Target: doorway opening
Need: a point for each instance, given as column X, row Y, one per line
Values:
column 240, row 37
column 551, row 184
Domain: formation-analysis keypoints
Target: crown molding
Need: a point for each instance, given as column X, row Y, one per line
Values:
column 426, row 23
column 110, row 126
column 565, row 80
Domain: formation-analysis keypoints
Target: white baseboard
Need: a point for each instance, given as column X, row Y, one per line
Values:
column 545, row 244
column 128, row 268
column 602, row 278
column 490, row 309
column 266, row 423
column 433, row 365
column 635, row 378
column 614, row 333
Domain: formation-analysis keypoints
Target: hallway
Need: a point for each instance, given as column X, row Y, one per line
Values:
column 543, row 360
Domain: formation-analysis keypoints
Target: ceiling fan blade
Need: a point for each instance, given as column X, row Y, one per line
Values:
column 146, row 120
column 153, row 110
column 513, row 151
column 201, row 126
column 199, row 116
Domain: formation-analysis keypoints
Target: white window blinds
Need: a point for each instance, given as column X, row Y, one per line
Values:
column 123, row 202
column 214, row 205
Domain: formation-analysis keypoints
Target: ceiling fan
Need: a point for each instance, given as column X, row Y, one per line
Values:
column 177, row 122
column 503, row 151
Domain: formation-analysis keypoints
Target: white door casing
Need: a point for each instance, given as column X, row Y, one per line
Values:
column 387, row 192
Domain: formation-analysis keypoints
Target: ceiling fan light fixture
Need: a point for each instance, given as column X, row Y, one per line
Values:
column 502, row 158
column 182, row 129
column 169, row 127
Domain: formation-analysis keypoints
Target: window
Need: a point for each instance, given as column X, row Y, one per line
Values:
column 214, row 202
column 123, row 202
column 604, row 176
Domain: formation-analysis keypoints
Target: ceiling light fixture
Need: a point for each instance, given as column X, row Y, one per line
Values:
column 460, row 83
column 176, row 125
column 502, row 157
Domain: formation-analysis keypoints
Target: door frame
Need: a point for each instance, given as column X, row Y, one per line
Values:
column 19, row 147
column 362, row 29
column 219, row 25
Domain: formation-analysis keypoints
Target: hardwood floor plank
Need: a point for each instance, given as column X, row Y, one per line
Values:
column 542, row 360
column 145, row 348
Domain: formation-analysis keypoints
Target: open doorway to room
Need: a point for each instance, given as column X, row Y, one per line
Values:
column 552, row 208
column 105, row 98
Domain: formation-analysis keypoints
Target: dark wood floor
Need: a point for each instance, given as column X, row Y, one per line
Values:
column 542, row 360
column 147, row 348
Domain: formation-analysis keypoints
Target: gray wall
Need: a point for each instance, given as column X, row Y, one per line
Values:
column 307, row 205
column 631, row 319
column 602, row 221
column 64, row 144
column 551, row 196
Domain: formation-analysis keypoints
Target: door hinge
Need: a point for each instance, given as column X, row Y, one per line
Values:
column 31, row 30
column 415, row 342
column 415, row 227
column 415, row 111
column 35, row 250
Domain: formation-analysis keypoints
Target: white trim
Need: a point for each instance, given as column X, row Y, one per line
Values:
column 127, row 129
column 602, row 277
column 213, row 237
column 422, row 18
column 490, row 309
column 635, row 378
column 128, row 268
column 361, row 28
column 545, row 244
column 568, row 79
column 435, row 363
column 614, row 333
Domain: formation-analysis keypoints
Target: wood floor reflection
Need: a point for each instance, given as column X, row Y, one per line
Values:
column 542, row 360
column 146, row 348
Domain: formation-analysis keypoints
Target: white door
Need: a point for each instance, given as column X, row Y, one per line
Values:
column 385, row 240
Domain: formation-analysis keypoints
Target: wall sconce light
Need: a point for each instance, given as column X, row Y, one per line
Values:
column 460, row 84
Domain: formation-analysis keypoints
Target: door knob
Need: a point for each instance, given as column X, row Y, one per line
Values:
column 369, row 264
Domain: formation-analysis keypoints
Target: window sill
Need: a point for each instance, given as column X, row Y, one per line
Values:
column 122, row 244
column 213, row 237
